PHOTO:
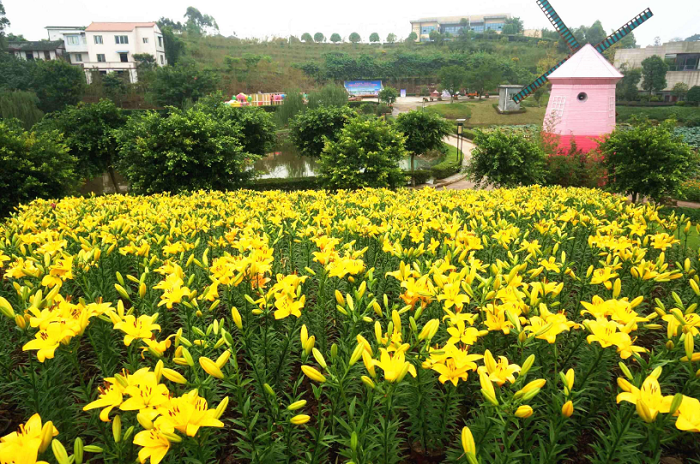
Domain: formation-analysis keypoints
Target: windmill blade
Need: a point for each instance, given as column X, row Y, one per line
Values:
column 624, row 31
column 539, row 82
column 559, row 25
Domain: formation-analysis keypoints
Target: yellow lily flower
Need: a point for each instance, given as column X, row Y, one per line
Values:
column 648, row 399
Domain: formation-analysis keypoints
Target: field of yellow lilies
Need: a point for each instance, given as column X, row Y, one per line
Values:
column 534, row 325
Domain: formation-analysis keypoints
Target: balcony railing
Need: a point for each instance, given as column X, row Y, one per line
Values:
column 675, row 67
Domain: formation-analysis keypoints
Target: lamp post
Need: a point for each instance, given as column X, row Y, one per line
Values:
column 460, row 129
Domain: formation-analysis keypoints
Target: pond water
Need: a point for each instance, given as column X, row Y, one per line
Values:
column 287, row 163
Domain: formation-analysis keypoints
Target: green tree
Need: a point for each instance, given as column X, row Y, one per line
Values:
column 412, row 37
column 374, row 37
column 452, row 78
column 256, row 125
column 388, row 95
column 16, row 73
column 595, row 34
column 34, row 165
column 516, row 25
column 509, row 29
column 355, row 37
column 293, row 105
column 647, row 160
column 436, row 37
column 20, row 105
column 4, row 22
column 184, row 150
column 306, row 37
column 198, row 23
column 680, row 90
column 628, row 87
column 366, row 154
column 167, row 22
column 175, row 85
column 486, row 73
column 145, row 62
column 423, row 132
column 505, row 158
column 391, row 38
column 654, row 71
column 329, row 95
column 694, row 94
column 335, row 37
column 174, row 46
column 114, row 86
column 58, row 84
column 16, row 38
column 311, row 129
column 89, row 132
column 319, row 37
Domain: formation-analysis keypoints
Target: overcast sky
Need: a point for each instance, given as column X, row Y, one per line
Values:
column 268, row 18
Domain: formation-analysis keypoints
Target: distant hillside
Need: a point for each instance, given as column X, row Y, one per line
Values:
column 276, row 65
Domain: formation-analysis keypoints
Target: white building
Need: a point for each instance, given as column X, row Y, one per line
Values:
column 74, row 40
column 37, row 50
column 112, row 46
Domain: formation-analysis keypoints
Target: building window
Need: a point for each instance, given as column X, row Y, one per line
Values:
column 47, row 56
column 73, row 40
column 427, row 30
column 145, row 40
column 121, row 39
column 162, row 61
column 100, row 58
column 160, row 41
column 78, row 57
column 98, row 40
column 124, row 57
column 30, row 56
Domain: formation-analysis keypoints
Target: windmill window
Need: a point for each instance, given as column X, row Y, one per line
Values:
column 582, row 97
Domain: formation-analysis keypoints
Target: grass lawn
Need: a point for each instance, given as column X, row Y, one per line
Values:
column 451, row 110
column 483, row 114
column 693, row 215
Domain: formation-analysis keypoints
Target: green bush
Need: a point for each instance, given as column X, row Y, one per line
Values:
column 34, row 165
column 574, row 169
column 693, row 95
column 647, row 160
column 185, row 150
column 329, row 95
column 419, row 176
column 366, row 154
column 181, row 84
column 506, row 158
column 20, row 105
column 310, row 129
column 257, row 126
column 382, row 109
column 293, row 105
column 690, row 190
column 89, row 132
column 58, row 84
column 388, row 95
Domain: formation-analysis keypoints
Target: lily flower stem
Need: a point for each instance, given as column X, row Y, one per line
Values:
column 387, row 421
column 618, row 439
column 555, row 373
column 290, row 334
column 590, row 371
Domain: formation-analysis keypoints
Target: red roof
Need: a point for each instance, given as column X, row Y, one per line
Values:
column 116, row 27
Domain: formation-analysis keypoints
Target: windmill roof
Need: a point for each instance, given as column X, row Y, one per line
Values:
column 586, row 63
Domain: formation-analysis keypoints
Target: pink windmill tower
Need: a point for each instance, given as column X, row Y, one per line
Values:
column 582, row 103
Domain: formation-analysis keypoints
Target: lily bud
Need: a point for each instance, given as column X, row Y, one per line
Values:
column 117, row 429
column 356, row 354
column 145, row 422
column 527, row 365
column 78, row 450
column 689, row 345
column 174, row 376
column 300, row 419
column 236, row 316
column 468, row 444
column 221, row 407
column 296, row 405
column 59, row 452
column 676, row 403
column 318, row 356
column 210, row 367
column 313, row 374
column 524, row 411
column 47, row 433
column 367, row 381
column 223, row 359
column 568, row 409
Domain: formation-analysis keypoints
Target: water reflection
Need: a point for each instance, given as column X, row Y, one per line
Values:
column 287, row 163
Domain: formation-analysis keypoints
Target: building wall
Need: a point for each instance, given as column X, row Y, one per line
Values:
column 632, row 58
column 593, row 117
column 38, row 55
column 110, row 49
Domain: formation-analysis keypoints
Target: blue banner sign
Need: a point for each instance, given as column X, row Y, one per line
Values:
column 363, row 88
